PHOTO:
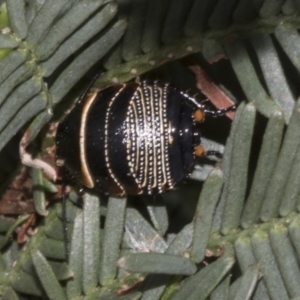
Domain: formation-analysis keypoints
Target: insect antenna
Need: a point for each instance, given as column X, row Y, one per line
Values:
column 213, row 112
column 220, row 112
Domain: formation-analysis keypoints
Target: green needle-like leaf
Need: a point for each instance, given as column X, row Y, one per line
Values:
column 157, row 263
column 47, row 277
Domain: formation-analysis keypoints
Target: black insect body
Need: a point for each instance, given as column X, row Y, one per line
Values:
column 134, row 138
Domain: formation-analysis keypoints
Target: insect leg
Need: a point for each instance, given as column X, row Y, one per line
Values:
column 214, row 153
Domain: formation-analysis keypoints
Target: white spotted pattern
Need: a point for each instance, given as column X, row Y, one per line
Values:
column 147, row 141
column 106, row 141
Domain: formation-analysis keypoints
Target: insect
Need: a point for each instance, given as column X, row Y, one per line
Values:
column 132, row 138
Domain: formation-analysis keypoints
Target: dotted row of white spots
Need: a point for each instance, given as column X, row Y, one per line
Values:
column 166, row 166
column 142, row 140
column 157, row 142
column 106, row 141
column 149, row 125
column 138, row 152
column 157, row 132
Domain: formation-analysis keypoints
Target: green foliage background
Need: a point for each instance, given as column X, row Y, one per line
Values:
column 243, row 241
